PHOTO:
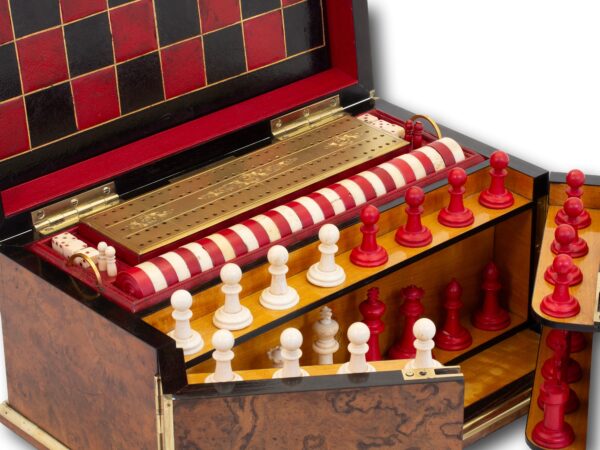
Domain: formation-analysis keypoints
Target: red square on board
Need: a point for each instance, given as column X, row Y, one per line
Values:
column 183, row 67
column 42, row 59
column 77, row 9
column 13, row 128
column 95, row 97
column 133, row 29
column 6, row 33
column 215, row 14
column 265, row 43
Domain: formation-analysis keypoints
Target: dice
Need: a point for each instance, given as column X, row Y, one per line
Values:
column 67, row 244
column 383, row 125
column 89, row 251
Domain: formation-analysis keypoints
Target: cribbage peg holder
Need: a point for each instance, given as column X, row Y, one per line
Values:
column 564, row 237
column 417, row 140
column 232, row 315
column 560, row 303
column 369, row 253
column 578, row 247
column 413, row 233
column 223, row 342
column 186, row 338
column 578, row 341
column 326, row 330
column 412, row 309
column 553, row 431
column 456, row 215
column 278, row 296
column 326, row 273
column 372, row 310
column 575, row 181
column 560, row 344
column 291, row 341
column 491, row 316
column 424, row 331
column 358, row 336
column 453, row 336
column 497, row 196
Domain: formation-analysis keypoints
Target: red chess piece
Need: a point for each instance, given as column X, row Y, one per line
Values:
column 497, row 196
column 455, row 215
column 553, row 431
column 561, row 303
column 372, row 309
column 578, row 341
column 564, row 237
column 559, row 378
column 413, row 233
column 491, row 316
column 453, row 336
column 411, row 309
column 560, row 343
column 408, row 132
column 417, row 135
column 575, row 181
column 369, row 253
column 577, row 247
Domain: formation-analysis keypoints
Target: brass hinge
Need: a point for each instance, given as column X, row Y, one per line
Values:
column 164, row 418
column 431, row 374
column 308, row 118
column 70, row 211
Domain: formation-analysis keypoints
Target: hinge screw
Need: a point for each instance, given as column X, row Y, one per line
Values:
column 106, row 190
column 40, row 215
column 278, row 124
column 306, row 112
column 74, row 202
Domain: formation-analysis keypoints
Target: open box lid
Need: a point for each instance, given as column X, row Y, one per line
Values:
column 90, row 91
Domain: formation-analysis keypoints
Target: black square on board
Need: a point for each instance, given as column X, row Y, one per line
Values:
column 303, row 26
column 140, row 82
column 30, row 16
column 176, row 20
column 224, row 54
column 10, row 84
column 252, row 8
column 89, row 44
column 112, row 3
column 50, row 114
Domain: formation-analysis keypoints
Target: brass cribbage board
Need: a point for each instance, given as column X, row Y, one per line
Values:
column 189, row 205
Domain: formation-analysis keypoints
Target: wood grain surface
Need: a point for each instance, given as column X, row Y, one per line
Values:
column 591, row 195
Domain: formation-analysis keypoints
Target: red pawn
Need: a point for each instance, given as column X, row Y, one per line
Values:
column 413, row 233
column 577, row 247
column 553, row 431
column 564, row 236
column 497, row 196
column 369, row 253
column 491, row 316
column 578, row 341
column 560, row 344
column 561, row 303
column 372, row 309
column 453, row 336
column 417, row 135
column 411, row 309
column 575, row 181
column 408, row 132
column 455, row 215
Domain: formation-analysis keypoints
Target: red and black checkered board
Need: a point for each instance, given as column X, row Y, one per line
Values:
column 67, row 66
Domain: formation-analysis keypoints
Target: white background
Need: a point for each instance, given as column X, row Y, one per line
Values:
column 520, row 75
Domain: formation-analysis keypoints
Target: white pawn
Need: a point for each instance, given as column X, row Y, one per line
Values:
column 102, row 256
column 223, row 342
column 326, row 329
column 187, row 339
column 232, row 315
column 111, row 261
column 326, row 273
column 424, row 331
column 291, row 341
column 358, row 335
column 279, row 295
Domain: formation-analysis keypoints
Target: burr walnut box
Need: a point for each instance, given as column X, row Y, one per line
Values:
column 147, row 144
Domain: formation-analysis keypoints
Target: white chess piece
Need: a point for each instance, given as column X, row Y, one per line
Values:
column 326, row 273
column 326, row 329
column 102, row 256
column 291, row 341
column 187, row 339
column 274, row 356
column 279, row 295
column 111, row 261
column 424, row 331
column 358, row 335
column 232, row 315
column 223, row 342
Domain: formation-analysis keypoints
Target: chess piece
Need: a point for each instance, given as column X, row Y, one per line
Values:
column 325, row 329
column 232, row 315
column 491, row 316
column 453, row 336
column 102, row 256
column 408, row 132
column 497, row 196
column 111, row 261
column 575, row 182
column 417, row 135
column 558, row 377
column 358, row 335
column 560, row 345
column 291, row 341
column 413, row 233
column 564, row 236
column 223, row 342
column 279, row 295
column 553, row 431
column 326, row 273
column 274, row 356
column 561, row 303
column 369, row 253
column 576, row 246
column 186, row 339
column 424, row 331
column 578, row 341
column 455, row 215
column 411, row 309
column 372, row 309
